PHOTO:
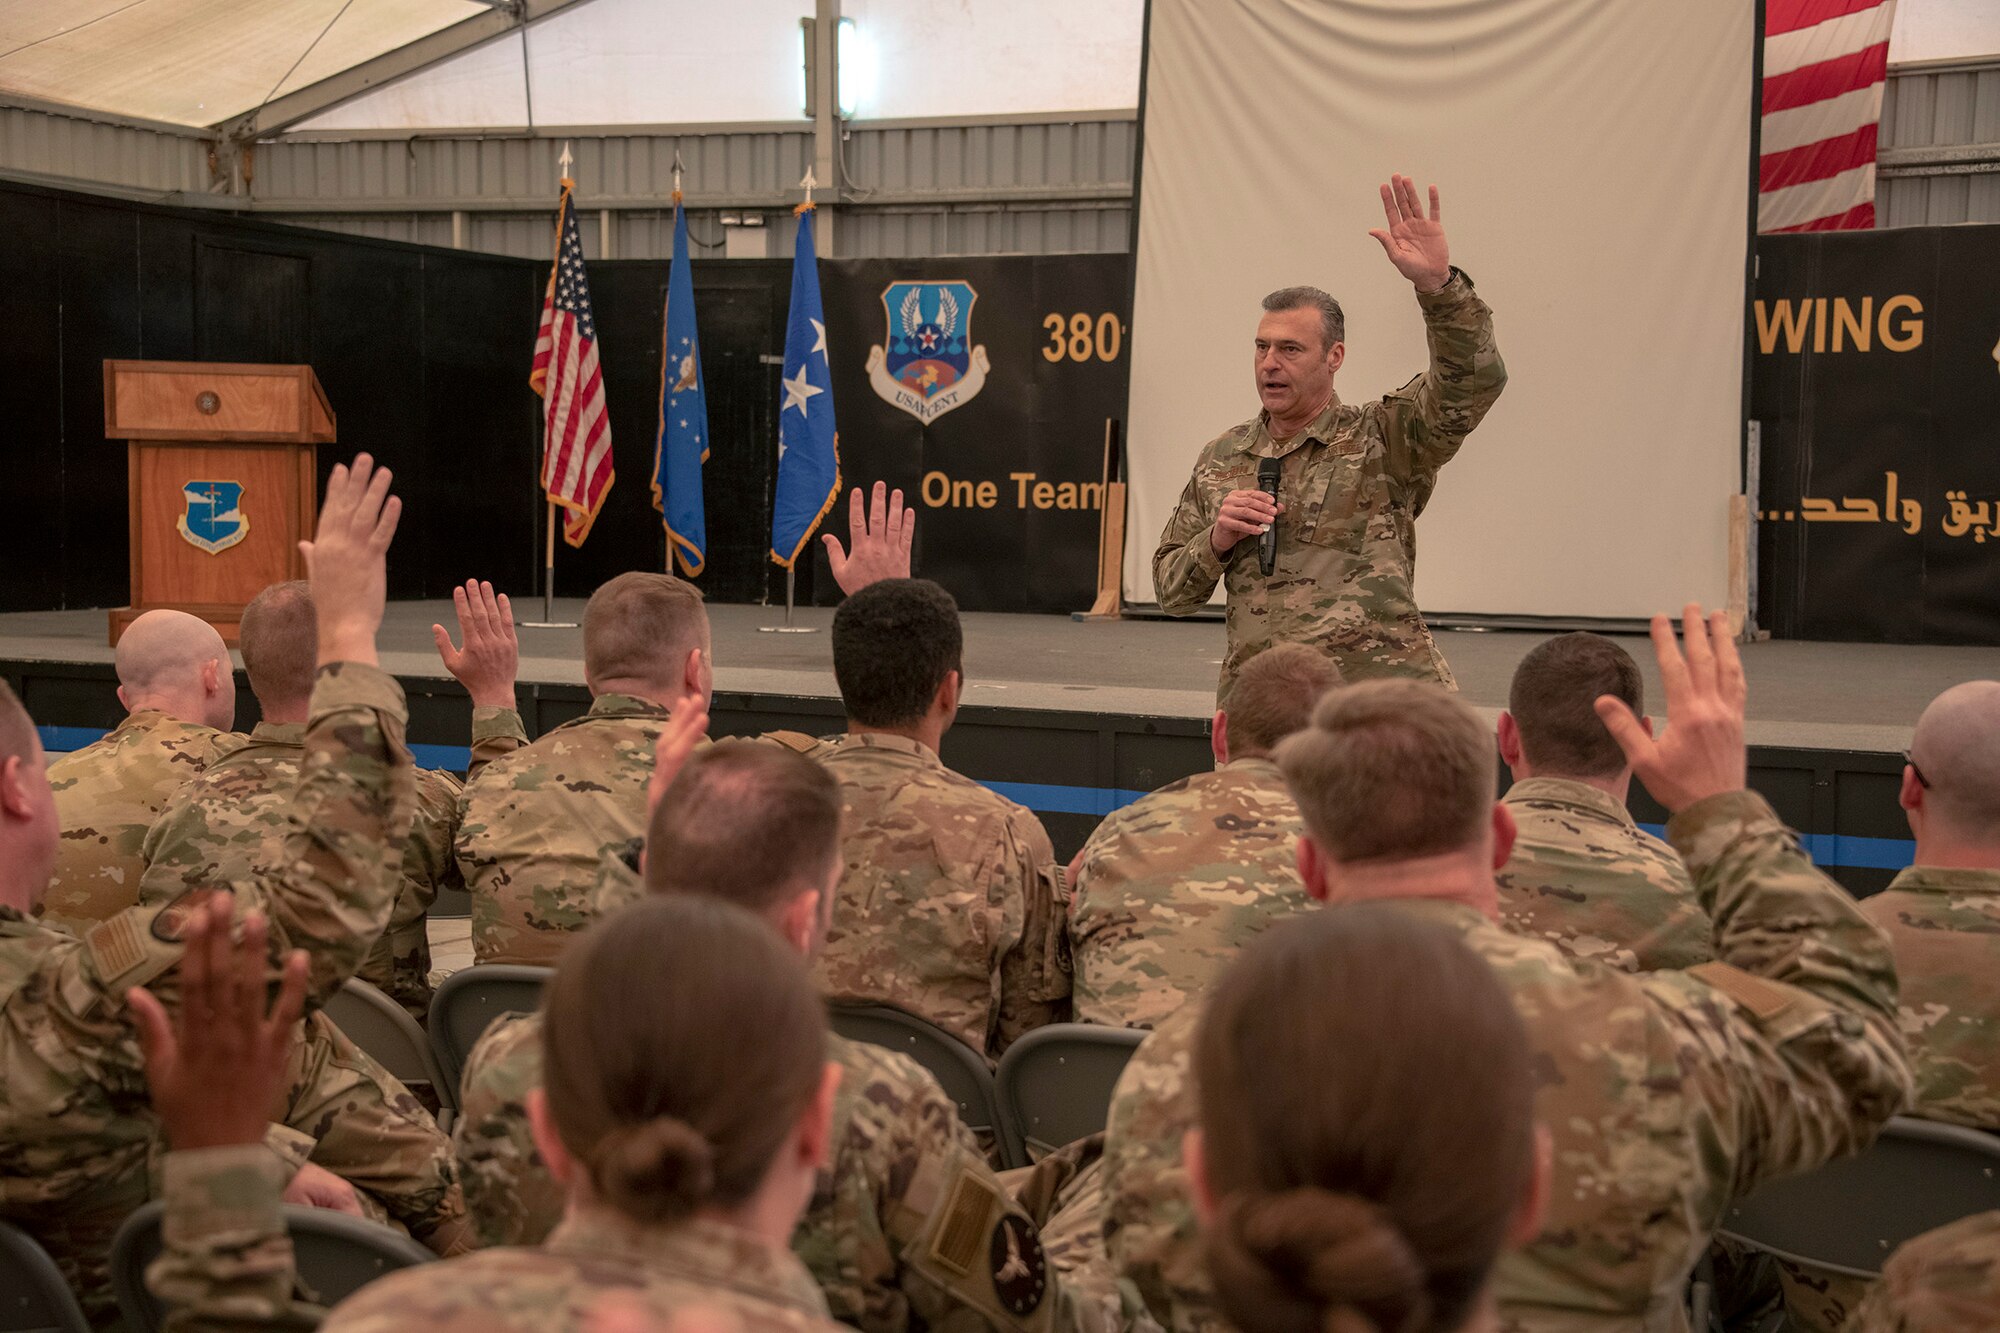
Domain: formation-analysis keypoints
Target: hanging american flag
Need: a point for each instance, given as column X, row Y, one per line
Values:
column 576, row 439
column 1824, row 66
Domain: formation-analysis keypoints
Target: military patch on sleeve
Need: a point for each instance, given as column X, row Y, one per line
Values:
column 115, row 946
column 171, row 922
column 1765, row 1000
column 1020, row 1269
column 959, row 1236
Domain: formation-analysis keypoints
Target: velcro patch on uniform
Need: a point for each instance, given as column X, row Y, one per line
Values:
column 962, row 1235
column 115, row 946
column 793, row 740
column 1020, row 1268
column 1766, row 1000
column 170, row 925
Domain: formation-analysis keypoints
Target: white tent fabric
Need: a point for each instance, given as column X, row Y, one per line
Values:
column 199, row 62
column 644, row 62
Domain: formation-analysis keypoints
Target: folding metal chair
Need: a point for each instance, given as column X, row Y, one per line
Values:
column 1055, row 1083
column 33, row 1296
column 467, row 1002
column 961, row 1071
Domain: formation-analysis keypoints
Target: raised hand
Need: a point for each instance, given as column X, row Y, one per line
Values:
column 881, row 537
column 1701, row 754
column 346, row 559
column 216, row 1069
column 1415, row 244
column 686, row 726
column 491, row 657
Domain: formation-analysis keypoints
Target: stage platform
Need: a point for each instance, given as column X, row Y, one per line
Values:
column 1074, row 719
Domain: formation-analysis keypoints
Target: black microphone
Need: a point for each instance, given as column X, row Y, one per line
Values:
column 1267, row 545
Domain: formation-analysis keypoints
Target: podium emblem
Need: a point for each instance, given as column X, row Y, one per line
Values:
column 213, row 519
column 928, row 365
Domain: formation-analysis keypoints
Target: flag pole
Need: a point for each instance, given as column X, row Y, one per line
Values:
column 809, row 184
column 548, row 620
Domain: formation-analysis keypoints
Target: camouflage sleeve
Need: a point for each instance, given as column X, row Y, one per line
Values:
column 332, row 883
column 1035, row 970
column 226, row 1261
column 1427, row 419
column 509, row 1196
column 1185, row 567
column 936, row 1190
column 1791, row 1035
column 496, row 733
column 1150, row 1231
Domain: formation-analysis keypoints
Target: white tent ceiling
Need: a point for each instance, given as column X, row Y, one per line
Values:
column 199, row 62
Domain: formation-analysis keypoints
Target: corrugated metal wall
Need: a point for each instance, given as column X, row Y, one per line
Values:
column 1037, row 187
column 77, row 149
column 1939, row 160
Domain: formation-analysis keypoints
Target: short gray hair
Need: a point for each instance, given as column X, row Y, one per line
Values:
column 1332, row 321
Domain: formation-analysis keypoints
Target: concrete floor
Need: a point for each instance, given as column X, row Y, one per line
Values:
column 1816, row 695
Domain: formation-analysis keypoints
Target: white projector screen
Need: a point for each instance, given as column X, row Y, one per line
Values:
column 1593, row 162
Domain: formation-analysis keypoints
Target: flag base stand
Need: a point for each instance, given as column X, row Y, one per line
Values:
column 548, row 620
column 788, row 627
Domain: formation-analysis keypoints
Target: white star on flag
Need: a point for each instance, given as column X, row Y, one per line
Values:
column 796, row 393
column 819, row 337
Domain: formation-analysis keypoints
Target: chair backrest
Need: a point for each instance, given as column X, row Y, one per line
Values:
column 384, row 1029
column 337, row 1255
column 1849, row 1216
column 33, row 1296
column 466, row 1003
column 1055, row 1083
column 959, row 1069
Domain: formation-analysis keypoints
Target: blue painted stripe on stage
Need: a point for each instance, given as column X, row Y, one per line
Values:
column 1841, row 849
column 1051, row 799
column 1826, row 849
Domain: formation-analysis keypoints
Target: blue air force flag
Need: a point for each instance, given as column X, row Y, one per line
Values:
column 808, row 445
column 681, row 444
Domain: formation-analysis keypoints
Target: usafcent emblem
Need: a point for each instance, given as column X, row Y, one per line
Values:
column 213, row 519
column 929, row 365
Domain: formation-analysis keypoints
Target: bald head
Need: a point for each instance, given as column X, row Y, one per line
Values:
column 176, row 663
column 279, row 636
column 1957, row 750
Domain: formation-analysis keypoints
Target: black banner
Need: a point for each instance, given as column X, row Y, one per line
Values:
column 1877, row 383
column 981, row 387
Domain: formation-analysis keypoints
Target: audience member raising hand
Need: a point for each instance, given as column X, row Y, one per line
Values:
column 881, row 538
column 490, row 657
column 1702, row 753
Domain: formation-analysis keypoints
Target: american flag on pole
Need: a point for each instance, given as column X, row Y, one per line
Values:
column 576, row 439
column 1824, row 66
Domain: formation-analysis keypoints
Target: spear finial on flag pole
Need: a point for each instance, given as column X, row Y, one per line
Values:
column 809, row 184
column 678, row 168
column 564, row 162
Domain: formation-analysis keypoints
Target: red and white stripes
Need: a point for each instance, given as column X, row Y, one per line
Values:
column 1824, row 66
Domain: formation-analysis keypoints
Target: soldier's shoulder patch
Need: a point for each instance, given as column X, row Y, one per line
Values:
column 116, row 947
column 170, row 924
column 1764, row 999
column 794, row 740
column 1020, row 1269
column 956, row 1244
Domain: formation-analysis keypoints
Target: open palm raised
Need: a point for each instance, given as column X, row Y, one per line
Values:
column 1415, row 244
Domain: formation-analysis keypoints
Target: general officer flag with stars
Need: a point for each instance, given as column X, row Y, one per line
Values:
column 808, row 444
column 681, row 445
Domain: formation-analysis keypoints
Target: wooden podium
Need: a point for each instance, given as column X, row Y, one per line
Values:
column 224, row 480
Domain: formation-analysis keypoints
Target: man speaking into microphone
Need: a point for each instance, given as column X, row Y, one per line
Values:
column 1308, row 510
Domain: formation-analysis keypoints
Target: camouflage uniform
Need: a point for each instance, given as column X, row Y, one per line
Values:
column 1944, row 926
column 1588, row 880
column 217, row 825
column 882, row 1235
column 536, row 825
column 951, row 906
column 1668, row 1093
column 75, row 1121
column 1347, row 546
column 1944, row 1281
column 228, row 1262
column 107, row 795
column 1173, row 885
column 367, row 1126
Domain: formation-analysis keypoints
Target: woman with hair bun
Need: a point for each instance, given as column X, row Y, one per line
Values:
column 1367, row 1145
column 687, row 1110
